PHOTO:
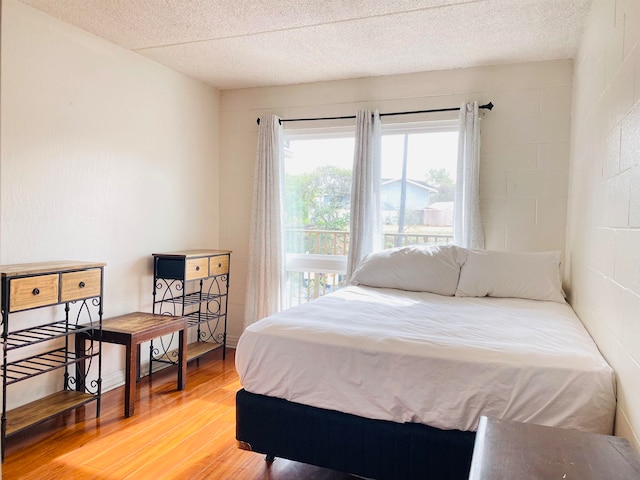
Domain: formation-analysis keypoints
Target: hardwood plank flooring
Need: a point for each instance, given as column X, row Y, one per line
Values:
column 188, row 434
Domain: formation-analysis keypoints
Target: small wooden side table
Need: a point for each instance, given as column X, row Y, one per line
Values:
column 133, row 329
column 506, row 450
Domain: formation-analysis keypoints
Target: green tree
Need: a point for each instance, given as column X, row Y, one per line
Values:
column 331, row 187
column 319, row 199
column 297, row 200
column 316, row 201
column 442, row 181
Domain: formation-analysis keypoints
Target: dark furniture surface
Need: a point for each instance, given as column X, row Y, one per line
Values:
column 135, row 328
column 507, row 450
column 378, row 449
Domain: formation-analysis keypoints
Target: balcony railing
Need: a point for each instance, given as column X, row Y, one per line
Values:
column 403, row 239
column 317, row 261
column 317, row 242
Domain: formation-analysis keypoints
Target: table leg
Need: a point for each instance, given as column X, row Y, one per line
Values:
column 130, row 380
column 182, row 360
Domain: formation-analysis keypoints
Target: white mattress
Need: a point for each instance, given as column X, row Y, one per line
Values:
column 442, row 361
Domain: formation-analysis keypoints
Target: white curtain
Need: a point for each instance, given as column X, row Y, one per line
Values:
column 467, row 231
column 266, row 276
column 365, row 229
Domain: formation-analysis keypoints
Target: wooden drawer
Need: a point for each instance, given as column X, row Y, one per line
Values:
column 33, row 292
column 219, row 265
column 78, row 285
column 197, row 268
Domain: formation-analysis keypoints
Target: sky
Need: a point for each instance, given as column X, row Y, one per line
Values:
column 427, row 151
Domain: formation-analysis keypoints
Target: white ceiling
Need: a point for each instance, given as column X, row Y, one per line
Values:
column 249, row 43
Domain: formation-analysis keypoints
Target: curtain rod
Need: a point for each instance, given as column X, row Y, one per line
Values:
column 487, row 106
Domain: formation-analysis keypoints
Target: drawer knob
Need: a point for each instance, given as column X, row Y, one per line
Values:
column 219, row 265
column 36, row 291
column 197, row 268
column 82, row 285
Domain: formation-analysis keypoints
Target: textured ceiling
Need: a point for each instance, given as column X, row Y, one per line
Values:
column 248, row 43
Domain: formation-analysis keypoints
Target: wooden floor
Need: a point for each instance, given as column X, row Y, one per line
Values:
column 187, row 434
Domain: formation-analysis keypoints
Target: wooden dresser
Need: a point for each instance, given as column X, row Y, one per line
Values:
column 193, row 284
column 37, row 337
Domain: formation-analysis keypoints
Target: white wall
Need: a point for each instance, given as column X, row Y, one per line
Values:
column 105, row 156
column 525, row 147
column 603, row 234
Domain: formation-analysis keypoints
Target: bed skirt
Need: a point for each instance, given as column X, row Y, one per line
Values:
column 377, row 449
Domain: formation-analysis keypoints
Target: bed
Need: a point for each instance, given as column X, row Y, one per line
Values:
column 388, row 377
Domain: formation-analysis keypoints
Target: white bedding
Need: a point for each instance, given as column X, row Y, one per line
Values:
column 442, row 361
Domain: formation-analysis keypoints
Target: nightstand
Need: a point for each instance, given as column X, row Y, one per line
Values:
column 507, row 450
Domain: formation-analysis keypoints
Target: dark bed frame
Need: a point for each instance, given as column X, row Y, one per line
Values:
column 376, row 449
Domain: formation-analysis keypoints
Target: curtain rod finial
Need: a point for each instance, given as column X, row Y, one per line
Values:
column 258, row 121
column 489, row 106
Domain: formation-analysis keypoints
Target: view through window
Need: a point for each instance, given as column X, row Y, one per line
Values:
column 417, row 198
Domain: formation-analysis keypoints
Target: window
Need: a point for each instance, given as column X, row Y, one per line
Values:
column 417, row 196
column 419, row 166
column 317, row 167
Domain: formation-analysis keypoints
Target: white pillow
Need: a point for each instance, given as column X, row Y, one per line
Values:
column 420, row 269
column 511, row 274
